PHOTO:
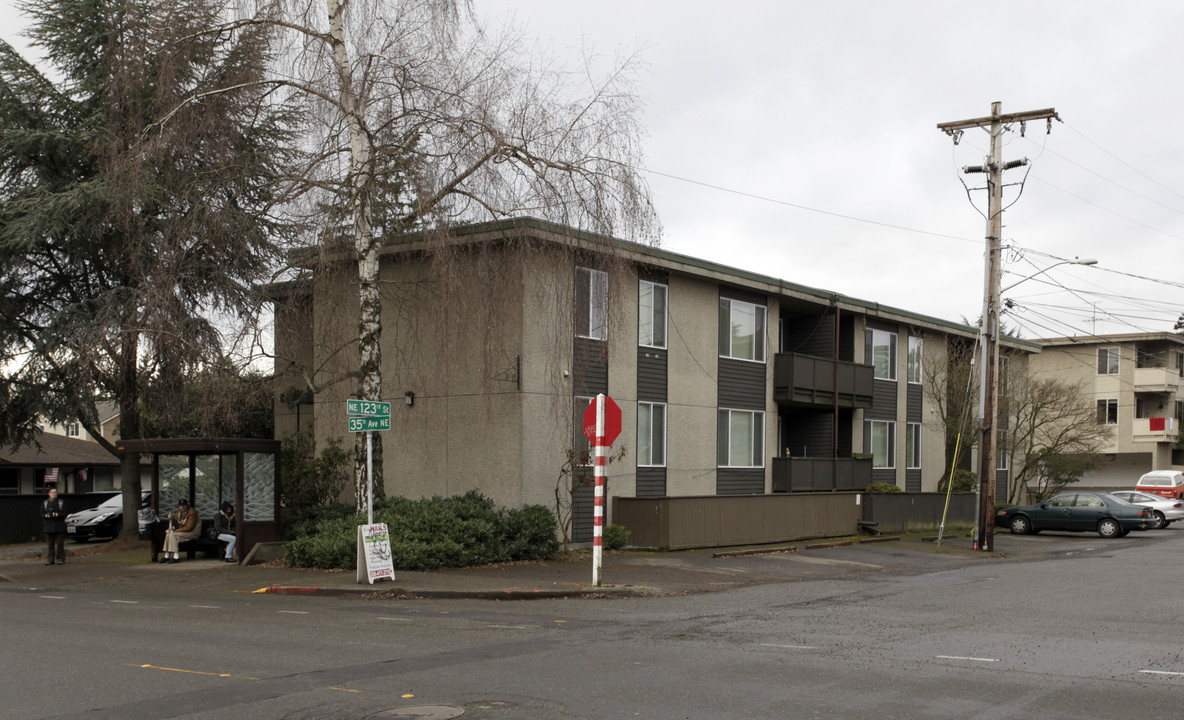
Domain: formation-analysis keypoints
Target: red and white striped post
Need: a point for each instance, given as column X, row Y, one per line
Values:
column 602, row 425
column 598, row 504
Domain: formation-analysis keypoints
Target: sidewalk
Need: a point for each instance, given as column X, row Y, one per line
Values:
column 631, row 573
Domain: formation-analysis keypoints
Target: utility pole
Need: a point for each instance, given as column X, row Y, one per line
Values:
column 989, row 325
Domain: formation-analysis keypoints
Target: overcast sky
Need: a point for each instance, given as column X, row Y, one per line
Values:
column 799, row 140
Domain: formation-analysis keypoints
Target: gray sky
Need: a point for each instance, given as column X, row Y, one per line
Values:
column 797, row 139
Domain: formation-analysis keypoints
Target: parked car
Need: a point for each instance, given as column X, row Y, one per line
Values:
column 1168, row 483
column 1167, row 510
column 105, row 520
column 1102, row 513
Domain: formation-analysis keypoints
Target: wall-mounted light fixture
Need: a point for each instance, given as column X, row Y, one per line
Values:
column 409, row 397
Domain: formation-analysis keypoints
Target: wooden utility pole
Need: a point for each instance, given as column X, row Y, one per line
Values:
column 989, row 325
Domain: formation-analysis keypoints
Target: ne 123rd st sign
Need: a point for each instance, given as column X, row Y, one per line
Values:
column 367, row 408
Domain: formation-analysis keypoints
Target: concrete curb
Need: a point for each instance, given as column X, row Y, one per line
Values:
column 503, row 594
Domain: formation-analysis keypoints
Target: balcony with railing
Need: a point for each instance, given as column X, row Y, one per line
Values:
column 1156, row 429
column 1157, row 380
column 791, row 474
column 814, row 381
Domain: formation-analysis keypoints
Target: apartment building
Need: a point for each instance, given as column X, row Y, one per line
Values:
column 1134, row 380
column 730, row 382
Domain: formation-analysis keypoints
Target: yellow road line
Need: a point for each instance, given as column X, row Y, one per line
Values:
column 192, row 672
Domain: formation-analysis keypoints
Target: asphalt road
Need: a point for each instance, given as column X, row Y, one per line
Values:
column 1089, row 632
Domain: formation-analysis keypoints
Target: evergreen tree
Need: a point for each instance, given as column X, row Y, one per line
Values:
column 136, row 203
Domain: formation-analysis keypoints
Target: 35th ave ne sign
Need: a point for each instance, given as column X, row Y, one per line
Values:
column 368, row 415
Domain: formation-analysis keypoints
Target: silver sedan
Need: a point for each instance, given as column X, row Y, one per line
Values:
column 1167, row 510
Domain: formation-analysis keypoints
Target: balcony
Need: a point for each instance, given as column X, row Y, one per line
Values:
column 1157, row 380
column 820, row 474
column 813, row 381
column 1155, row 430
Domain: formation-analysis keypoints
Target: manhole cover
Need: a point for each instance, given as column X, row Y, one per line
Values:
column 420, row 712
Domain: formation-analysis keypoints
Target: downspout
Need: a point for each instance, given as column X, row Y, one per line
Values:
column 835, row 384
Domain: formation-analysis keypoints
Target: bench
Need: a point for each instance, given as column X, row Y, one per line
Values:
column 200, row 544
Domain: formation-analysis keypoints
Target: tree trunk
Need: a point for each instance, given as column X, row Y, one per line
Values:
column 129, row 429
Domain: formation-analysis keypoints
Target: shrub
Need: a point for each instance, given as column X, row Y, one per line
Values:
column 431, row 533
column 615, row 537
column 883, row 487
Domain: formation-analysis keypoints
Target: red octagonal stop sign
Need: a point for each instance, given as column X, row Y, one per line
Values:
column 612, row 421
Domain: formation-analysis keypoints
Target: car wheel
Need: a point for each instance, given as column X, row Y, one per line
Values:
column 1020, row 525
column 1160, row 521
column 1109, row 528
column 1166, row 523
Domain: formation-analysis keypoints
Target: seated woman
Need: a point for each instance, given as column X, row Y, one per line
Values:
column 225, row 526
column 184, row 525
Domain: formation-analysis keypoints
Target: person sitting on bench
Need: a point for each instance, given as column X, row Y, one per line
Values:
column 183, row 525
column 225, row 528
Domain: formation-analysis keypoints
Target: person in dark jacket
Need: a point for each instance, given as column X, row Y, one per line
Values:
column 53, row 524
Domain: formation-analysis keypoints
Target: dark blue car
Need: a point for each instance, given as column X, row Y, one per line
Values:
column 1102, row 513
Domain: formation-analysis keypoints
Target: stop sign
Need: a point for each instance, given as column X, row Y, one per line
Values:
column 612, row 421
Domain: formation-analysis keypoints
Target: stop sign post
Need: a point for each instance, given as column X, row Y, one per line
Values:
column 602, row 425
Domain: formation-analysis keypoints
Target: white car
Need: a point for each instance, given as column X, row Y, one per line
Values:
column 1167, row 510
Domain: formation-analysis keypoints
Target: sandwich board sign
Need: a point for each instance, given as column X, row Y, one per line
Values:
column 374, row 553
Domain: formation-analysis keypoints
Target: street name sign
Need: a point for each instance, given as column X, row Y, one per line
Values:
column 367, row 408
column 365, row 424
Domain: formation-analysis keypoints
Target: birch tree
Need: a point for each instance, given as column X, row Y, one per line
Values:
column 427, row 120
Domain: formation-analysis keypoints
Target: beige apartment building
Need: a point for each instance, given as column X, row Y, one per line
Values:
column 1134, row 380
column 730, row 382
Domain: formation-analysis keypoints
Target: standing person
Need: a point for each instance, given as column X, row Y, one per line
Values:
column 184, row 524
column 53, row 524
column 225, row 525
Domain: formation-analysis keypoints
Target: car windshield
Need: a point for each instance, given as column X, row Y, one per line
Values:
column 114, row 503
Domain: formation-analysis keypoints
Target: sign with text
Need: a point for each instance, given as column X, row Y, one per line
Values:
column 374, row 553
column 367, row 408
column 365, row 424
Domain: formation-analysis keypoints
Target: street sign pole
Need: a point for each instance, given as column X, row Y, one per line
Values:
column 598, row 505
column 369, row 477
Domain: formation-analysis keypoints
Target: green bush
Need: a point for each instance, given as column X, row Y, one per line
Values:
column 301, row 522
column 883, row 487
column 615, row 537
column 431, row 533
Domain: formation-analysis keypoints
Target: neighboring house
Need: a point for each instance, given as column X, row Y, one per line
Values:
column 69, row 464
column 1135, row 381
column 108, row 424
column 730, row 382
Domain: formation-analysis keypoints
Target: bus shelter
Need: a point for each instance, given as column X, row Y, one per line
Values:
column 208, row 471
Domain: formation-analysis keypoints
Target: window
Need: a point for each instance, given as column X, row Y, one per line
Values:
column 591, row 303
column 651, row 434
column 879, row 439
column 10, row 481
column 1001, row 457
column 1180, row 363
column 914, row 370
column 1107, row 361
column 651, row 314
column 741, row 438
column 741, row 330
column 912, row 447
column 879, row 349
column 1108, row 412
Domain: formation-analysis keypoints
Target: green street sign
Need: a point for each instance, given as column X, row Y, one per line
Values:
column 364, row 424
column 367, row 408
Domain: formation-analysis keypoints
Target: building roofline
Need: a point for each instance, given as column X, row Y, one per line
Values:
column 515, row 227
column 1114, row 339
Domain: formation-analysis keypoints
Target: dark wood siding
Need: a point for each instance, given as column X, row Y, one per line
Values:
column 651, row 374
column 809, row 335
column 808, row 435
column 912, row 480
column 651, row 482
column 847, row 338
column 884, row 475
column 739, row 481
column 741, row 384
column 915, row 401
column 883, row 401
column 583, row 504
column 589, row 367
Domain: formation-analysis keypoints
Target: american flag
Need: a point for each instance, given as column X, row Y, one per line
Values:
column 51, row 475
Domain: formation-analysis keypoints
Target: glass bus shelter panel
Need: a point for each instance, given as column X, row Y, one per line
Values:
column 174, row 482
column 207, row 485
column 258, row 487
column 229, row 480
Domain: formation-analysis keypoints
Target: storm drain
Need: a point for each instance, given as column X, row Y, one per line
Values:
column 420, row 712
